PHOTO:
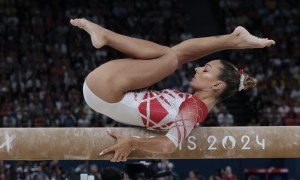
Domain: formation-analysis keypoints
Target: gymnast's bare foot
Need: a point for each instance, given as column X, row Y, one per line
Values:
column 243, row 39
column 96, row 32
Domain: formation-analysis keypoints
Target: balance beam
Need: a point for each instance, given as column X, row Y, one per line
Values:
column 203, row 142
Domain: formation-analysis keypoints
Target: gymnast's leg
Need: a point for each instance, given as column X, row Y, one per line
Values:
column 186, row 51
column 196, row 48
column 133, row 47
column 111, row 80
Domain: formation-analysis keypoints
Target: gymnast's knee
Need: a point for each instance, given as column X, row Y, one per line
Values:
column 181, row 57
column 173, row 57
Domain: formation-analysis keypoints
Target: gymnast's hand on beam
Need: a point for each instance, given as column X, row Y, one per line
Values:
column 122, row 149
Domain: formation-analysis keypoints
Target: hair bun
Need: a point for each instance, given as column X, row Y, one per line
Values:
column 249, row 81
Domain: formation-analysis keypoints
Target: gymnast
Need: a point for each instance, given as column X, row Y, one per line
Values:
column 108, row 88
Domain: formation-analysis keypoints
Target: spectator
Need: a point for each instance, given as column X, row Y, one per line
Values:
column 165, row 165
column 2, row 169
column 94, row 172
column 194, row 175
column 217, row 176
column 56, row 172
column 275, row 118
column 295, row 94
column 111, row 173
column 214, row 177
column 264, row 121
column 68, row 119
column 283, row 109
column 291, row 119
column 39, row 172
column 296, row 109
column 83, row 121
column 225, row 118
column 228, row 174
column 253, row 122
column 82, row 168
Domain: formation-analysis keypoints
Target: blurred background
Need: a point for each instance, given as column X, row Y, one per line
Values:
column 44, row 61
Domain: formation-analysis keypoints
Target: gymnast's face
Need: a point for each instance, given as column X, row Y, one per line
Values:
column 206, row 77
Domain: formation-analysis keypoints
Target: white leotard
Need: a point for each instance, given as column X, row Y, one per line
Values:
column 168, row 109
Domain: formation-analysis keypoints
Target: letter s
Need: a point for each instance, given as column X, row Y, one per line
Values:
column 191, row 140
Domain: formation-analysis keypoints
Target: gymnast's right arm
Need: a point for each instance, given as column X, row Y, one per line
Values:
column 185, row 121
column 190, row 113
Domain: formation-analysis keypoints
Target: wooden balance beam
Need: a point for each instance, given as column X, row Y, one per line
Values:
column 203, row 142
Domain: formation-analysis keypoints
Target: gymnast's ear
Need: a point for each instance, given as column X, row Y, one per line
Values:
column 218, row 85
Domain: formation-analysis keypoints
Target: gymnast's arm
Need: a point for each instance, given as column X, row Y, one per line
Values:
column 184, row 123
column 125, row 145
column 156, row 145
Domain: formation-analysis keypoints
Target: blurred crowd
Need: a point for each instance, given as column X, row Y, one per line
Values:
column 276, row 99
column 44, row 61
column 54, row 170
column 47, row 170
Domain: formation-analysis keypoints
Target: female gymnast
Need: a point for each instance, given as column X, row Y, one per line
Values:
column 106, row 89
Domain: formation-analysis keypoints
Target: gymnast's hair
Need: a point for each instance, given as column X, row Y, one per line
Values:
column 231, row 76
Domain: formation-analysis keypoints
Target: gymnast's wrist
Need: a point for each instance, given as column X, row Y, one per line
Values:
column 133, row 142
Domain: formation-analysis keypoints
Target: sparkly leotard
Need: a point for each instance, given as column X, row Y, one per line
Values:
column 170, row 110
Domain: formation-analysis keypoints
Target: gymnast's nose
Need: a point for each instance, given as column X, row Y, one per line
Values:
column 197, row 69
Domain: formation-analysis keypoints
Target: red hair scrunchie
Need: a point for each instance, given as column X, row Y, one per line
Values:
column 241, row 71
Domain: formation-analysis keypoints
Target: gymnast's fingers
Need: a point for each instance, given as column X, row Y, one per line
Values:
column 116, row 157
column 120, row 158
column 114, row 133
column 124, row 158
column 107, row 150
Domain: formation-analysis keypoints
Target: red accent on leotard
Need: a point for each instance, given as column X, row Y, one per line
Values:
column 191, row 112
column 157, row 107
column 172, row 110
